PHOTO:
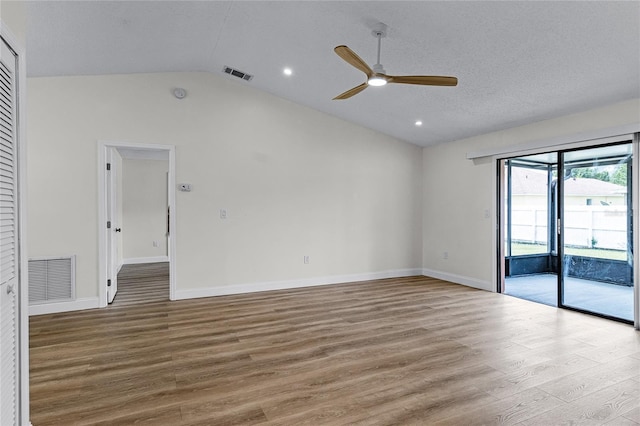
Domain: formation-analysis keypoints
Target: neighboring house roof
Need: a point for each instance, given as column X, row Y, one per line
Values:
column 587, row 187
column 528, row 181
column 534, row 182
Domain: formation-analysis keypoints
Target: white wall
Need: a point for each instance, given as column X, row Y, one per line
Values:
column 457, row 192
column 13, row 14
column 295, row 181
column 144, row 208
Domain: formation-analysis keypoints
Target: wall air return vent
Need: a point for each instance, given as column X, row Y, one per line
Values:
column 52, row 279
column 236, row 73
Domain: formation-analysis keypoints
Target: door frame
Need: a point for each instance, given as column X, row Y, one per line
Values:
column 632, row 192
column 568, row 143
column 635, row 220
column 111, row 208
column 103, row 147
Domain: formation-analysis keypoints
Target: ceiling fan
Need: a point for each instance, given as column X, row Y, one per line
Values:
column 377, row 75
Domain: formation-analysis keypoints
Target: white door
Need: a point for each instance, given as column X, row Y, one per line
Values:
column 9, row 360
column 112, row 229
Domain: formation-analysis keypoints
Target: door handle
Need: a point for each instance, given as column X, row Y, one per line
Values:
column 118, row 229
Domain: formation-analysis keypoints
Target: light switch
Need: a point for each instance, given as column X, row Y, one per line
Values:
column 223, row 213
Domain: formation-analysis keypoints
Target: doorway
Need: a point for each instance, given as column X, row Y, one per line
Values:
column 113, row 157
column 567, row 229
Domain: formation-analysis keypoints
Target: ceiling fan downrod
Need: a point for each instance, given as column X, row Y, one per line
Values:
column 377, row 80
column 379, row 33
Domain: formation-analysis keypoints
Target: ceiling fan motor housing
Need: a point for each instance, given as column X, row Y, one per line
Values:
column 377, row 69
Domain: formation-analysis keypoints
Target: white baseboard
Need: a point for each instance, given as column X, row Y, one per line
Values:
column 459, row 279
column 289, row 284
column 94, row 302
column 74, row 305
column 136, row 260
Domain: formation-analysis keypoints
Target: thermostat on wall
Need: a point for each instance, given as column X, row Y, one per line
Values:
column 184, row 187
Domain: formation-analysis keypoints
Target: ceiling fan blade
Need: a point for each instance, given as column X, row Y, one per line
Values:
column 351, row 92
column 350, row 57
column 424, row 80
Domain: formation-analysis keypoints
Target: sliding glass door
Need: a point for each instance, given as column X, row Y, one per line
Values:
column 596, row 231
column 530, row 258
column 566, row 229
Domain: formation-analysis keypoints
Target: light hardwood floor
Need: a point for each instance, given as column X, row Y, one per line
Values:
column 389, row 352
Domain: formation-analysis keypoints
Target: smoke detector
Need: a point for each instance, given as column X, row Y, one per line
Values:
column 179, row 93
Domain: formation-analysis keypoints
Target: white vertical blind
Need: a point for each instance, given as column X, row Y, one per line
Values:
column 8, row 240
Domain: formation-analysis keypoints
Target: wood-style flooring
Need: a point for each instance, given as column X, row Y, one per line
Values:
column 416, row 351
column 142, row 283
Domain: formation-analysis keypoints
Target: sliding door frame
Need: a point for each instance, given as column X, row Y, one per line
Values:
column 498, row 161
column 559, row 228
column 635, row 181
column 561, row 234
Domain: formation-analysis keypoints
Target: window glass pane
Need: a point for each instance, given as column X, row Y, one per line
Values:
column 595, row 200
column 596, row 228
column 529, row 210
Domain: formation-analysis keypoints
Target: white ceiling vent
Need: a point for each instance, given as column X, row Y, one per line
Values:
column 237, row 73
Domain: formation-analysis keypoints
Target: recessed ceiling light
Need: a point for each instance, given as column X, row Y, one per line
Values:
column 287, row 71
column 418, row 123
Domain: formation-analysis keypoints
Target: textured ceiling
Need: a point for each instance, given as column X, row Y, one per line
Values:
column 517, row 62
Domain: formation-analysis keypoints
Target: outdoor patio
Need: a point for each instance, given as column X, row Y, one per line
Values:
column 608, row 299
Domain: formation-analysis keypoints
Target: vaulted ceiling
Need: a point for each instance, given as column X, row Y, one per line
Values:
column 517, row 62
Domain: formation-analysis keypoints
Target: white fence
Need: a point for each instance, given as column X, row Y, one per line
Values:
column 602, row 227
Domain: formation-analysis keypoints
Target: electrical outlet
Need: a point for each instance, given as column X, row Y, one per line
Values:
column 155, row 244
column 445, row 255
column 223, row 213
column 306, row 260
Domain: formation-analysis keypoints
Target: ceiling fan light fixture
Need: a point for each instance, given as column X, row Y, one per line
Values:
column 377, row 76
column 377, row 81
